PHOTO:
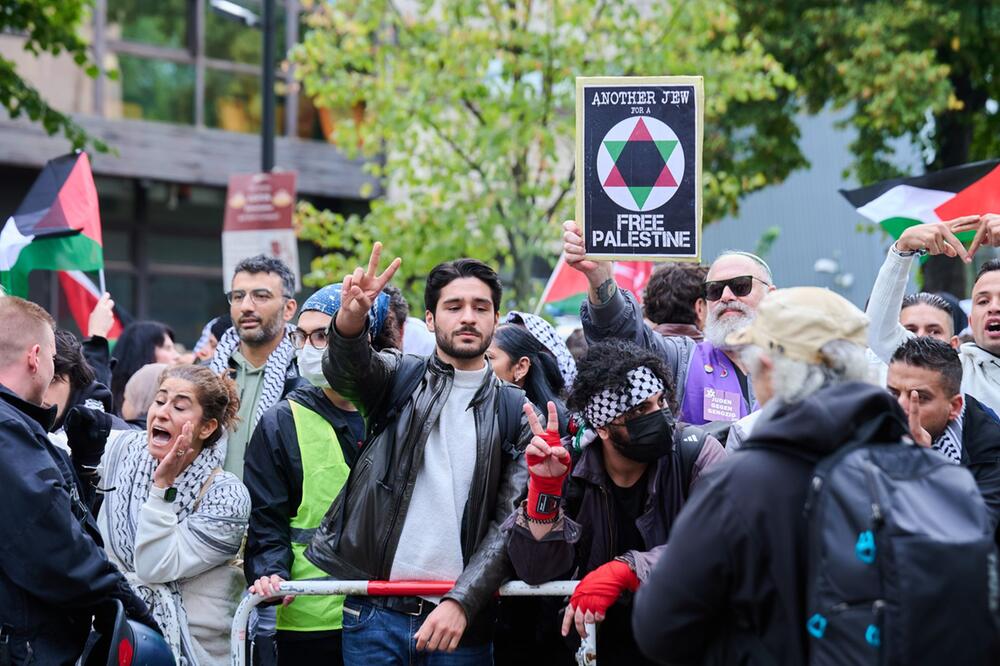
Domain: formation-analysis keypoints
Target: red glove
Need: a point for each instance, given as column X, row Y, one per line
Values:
column 601, row 587
column 544, row 491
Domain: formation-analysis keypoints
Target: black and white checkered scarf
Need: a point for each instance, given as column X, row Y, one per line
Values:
column 278, row 366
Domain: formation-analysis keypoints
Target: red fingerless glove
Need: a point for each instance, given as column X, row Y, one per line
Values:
column 601, row 587
column 544, row 491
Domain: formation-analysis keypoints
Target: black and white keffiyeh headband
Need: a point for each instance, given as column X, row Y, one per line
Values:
column 611, row 403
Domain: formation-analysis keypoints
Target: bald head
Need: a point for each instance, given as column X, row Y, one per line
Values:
column 27, row 348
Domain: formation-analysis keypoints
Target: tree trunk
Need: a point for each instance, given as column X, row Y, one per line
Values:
column 953, row 131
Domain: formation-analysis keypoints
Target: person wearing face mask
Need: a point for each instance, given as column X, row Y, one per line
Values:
column 621, row 497
column 296, row 463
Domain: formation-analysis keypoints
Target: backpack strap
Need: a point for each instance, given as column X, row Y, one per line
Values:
column 690, row 441
column 204, row 488
column 509, row 417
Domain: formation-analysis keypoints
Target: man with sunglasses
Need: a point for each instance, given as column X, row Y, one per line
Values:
column 712, row 385
column 296, row 463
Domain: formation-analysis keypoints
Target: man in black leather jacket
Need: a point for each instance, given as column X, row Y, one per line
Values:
column 439, row 473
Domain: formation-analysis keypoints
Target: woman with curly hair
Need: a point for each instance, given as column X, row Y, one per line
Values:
column 172, row 519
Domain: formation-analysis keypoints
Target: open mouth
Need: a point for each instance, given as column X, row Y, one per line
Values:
column 160, row 436
column 993, row 326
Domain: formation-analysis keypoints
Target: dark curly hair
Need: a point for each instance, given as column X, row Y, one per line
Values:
column 607, row 364
column 671, row 293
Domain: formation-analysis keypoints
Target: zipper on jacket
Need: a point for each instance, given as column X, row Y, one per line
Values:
column 610, row 523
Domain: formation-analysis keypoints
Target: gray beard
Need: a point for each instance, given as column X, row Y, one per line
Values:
column 717, row 330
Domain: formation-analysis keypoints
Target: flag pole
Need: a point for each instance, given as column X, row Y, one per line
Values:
column 100, row 277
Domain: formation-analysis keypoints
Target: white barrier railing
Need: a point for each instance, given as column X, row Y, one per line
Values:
column 585, row 656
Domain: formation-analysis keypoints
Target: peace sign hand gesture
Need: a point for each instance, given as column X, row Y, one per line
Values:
column 360, row 289
column 546, row 457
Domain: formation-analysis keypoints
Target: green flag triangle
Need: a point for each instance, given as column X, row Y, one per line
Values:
column 640, row 194
column 665, row 148
column 615, row 148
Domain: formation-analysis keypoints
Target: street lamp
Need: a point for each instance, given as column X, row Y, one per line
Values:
column 236, row 12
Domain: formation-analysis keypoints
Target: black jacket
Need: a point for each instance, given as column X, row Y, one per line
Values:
column 981, row 453
column 736, row 582
column 53, row 571
column 359, row 535
column 97, row 351
column 272, row 472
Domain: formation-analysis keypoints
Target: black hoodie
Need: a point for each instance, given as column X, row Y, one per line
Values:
column 730, row 587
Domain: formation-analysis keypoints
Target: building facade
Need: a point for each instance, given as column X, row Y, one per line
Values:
column 178, row 99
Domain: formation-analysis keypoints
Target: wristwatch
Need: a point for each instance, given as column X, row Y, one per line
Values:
column 166, row 494
column 909, row 253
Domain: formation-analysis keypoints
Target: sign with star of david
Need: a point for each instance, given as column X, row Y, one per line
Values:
column 638, row 166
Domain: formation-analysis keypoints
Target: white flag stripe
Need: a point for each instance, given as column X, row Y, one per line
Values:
column 906, row 201
column 81, row 279
column 12, row 241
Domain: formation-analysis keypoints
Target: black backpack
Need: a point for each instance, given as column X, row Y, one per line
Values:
column 902, row 563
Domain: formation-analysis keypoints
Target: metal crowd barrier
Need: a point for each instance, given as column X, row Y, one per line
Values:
column 586, row 656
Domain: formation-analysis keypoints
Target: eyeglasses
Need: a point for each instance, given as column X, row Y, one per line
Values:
column 257, row 296
column 316, row 338
column 740, row 286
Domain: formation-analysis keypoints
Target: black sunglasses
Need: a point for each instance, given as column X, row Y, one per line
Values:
column 740, row 285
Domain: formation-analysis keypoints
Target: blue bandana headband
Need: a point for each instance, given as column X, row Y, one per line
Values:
column 327, row 301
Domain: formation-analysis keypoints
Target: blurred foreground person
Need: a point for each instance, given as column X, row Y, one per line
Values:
column 832, row 539
column 53, row 572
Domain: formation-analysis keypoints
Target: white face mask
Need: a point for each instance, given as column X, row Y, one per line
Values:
column 310, row 363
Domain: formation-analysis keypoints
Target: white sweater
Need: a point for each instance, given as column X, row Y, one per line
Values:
column 430, row 545
column 980, row 368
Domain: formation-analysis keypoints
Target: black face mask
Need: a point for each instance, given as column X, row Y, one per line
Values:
column 651, row 436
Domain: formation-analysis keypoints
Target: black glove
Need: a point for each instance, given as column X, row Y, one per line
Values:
column 87, row 432
column 135, row 608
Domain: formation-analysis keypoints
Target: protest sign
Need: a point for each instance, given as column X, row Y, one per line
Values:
column 638, row 165
column 258, row 220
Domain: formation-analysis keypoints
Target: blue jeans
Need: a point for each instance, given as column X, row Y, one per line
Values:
column 376, row 636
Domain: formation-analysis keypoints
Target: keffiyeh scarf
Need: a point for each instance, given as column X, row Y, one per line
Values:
column 609, row 404
column 542, row 331
column 275, row 371
column 950, row 441
column 128, row 471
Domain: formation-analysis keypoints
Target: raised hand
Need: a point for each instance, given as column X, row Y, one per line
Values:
column 360, row 289
column 920, row 435
column 597, row 272
column 987, row 231
column 102, row 318
column 939, row 237
column 544, row 455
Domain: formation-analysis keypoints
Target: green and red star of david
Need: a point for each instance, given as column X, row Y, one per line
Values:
column 643, row 162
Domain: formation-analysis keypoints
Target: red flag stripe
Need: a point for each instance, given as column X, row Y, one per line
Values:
column 81, row 297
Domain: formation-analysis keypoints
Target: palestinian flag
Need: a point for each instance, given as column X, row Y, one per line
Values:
column 56, row 227
column 970, row 189
column 81, row 296
column 567, row 287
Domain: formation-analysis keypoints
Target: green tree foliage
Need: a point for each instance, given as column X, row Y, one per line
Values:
column 49, row 26
column 919, row 69
column 926, row 71
column 469, row 117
